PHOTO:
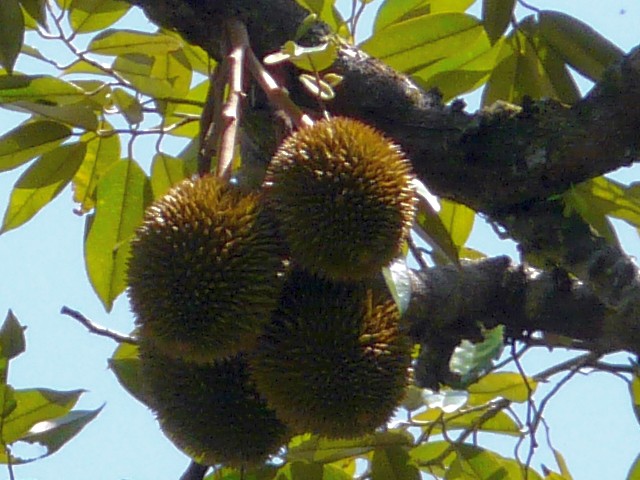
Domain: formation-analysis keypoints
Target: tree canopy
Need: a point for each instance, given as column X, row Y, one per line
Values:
column 230, row 79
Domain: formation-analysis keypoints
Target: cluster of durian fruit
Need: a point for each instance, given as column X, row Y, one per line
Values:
column 264, row 315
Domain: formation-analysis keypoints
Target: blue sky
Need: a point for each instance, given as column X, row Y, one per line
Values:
column 591, row 418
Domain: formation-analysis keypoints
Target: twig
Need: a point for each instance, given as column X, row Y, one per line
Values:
column 194, row 471
column 276, row 94
column 230, row 115
column 97, row 329
column 210, row 112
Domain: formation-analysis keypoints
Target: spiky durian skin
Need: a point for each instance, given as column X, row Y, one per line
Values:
column 343, row 196
column 211, row 411
column 204, row 273
column 334, row 359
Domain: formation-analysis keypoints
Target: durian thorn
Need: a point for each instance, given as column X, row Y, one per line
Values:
column 236, row 34
column 277, row 94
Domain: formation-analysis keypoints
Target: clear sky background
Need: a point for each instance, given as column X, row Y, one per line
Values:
column 42, row 269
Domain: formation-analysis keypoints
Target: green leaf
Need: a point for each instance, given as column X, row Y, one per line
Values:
column 396, row 11
column 562, row 464
column 432, row 231
column 311, row 448
column 12, row 23
column 421, row 41
column 136, row 68
column 36, row 10
column 602, row 196
column 92, row 15
column 393, row 463
column 123, row 193
column 81, row 114
column 34, row 406
column 176, row 112
column 508, row 385
column 496, row 15
column 310, row 471
column 12, row 342
column 263, row 472
column 128, row 105
column 38, row 88
column 458, row 220
column 41, row 183
column 436, row 421
column 310, row 59
column 634, row 471
column 123, row 42
column 578, row 44
column 463, row 71
column 426, row 454
column 470, row 360
column 102, row 152
column 477, row 464
column 634, row 390
column 166, row 171
column 529, row 67
column 54, row 434
column 397, row 276
column 326, row 12
column 30, row 140
column 125, row 364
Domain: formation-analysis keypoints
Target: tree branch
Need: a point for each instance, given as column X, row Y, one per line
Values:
column 97, row 329
column 194, row 471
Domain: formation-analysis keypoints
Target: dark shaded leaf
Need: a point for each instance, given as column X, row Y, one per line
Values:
column 12, row 342
column 12, row 22
column 496, row 15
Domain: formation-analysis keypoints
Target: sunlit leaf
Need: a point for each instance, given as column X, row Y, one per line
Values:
column 634, row 471
column 92, row 15
column 393, row 463
column 123, row 193
column 528, row 66
column 30, row 140
column 310, row 471
column 432, row 231
column 458, row 220
column 122, row 42
column 36, row 10
column 125, row 364
column 477, row 464
column 435, row 421
column 136, row 68
column 41, row 183
column 54, row 434
column 38, row 88
column 12, row 342
column 461, row 72
column 509, row 385
column 562, row 464
column 102, row 152
column 12, row 23
column 496, row 15
column 326, row 12
column 166, row 171
column 578, row 44
column 311, row 448
column 311, row 59
column 396, row 11
column 448, row 401
column 421, row 41
column 398, row 279
column 128, row 105
column 82, row 114
column 634, row 390
column 34, row 406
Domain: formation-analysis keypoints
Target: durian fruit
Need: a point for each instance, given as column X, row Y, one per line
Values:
column 212, row 412
column 334, row 359
column 343, row 195
column 205, row 270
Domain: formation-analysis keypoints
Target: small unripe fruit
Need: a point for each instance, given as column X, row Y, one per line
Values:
column 343, row 196
column 212, row 412
column 204, row 272
column 334, row 359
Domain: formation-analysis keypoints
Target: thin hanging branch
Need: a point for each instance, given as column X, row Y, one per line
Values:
column 97, row 329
